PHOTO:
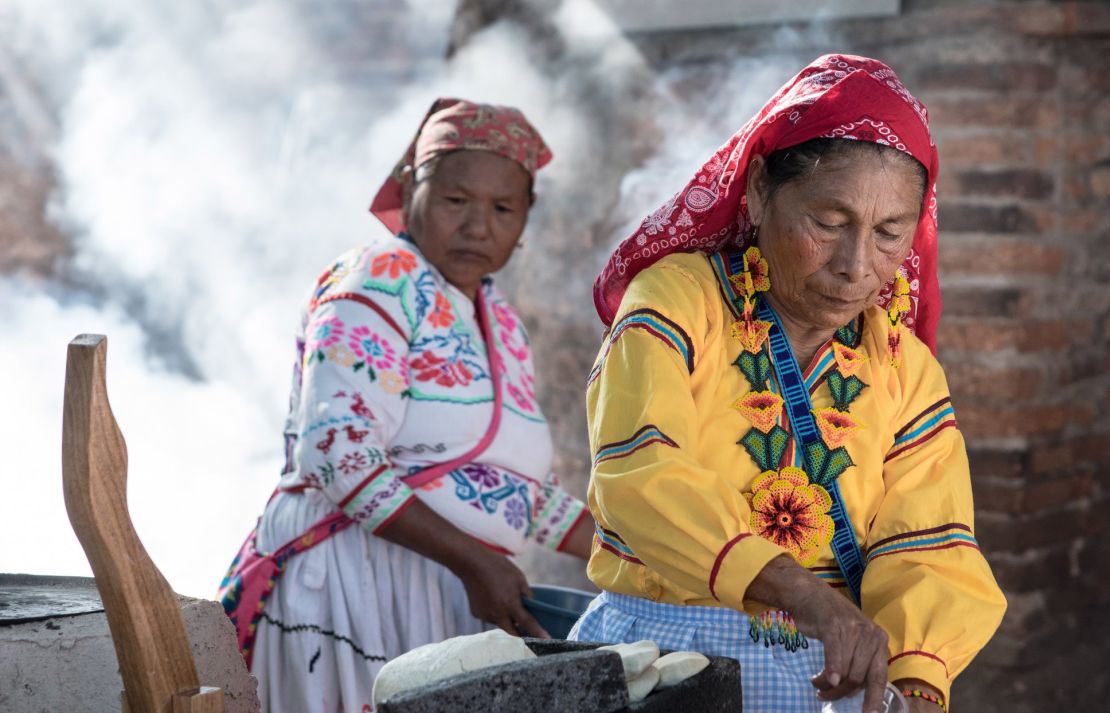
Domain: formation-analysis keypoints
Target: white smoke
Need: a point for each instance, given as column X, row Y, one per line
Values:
column 211, row 158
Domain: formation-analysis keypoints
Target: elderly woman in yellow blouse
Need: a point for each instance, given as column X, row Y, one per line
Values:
column 778, row 475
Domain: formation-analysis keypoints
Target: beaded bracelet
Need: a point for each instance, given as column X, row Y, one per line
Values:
column 918, row 693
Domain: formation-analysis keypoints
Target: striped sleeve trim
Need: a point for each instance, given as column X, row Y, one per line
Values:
column 612, row 542
column 720, row 559
column 830, row 576
column 377, row 500
column 943, row 537
column 926, row 654
column 643, row 438
column 923, row 427
column 658, row 326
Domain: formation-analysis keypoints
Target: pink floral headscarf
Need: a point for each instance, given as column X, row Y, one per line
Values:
column 837, row 96
column 453, row 124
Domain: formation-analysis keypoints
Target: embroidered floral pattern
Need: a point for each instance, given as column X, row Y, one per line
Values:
column 790, row 505
column 372, row 348
column 791, row 512
column 762, row 408
column 836, row 426
column 392, row 382
column 393, row 263
column 445, row 372
column 442, row 315
column 848, row 360
column 321, row 333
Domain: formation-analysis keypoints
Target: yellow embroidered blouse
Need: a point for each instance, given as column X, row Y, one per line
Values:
column 672, row 489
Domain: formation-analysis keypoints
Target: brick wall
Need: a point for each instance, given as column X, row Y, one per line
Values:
column 1019, row 94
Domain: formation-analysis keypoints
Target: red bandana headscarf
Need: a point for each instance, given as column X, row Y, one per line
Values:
column 837, row 96
column 453, row 124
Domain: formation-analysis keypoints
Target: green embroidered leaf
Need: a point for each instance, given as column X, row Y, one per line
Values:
column 848, row 335
column 825, row 466
column 777, row 440
column 755, row 442
column 755, row 367
column 766, row 449
column 844, row 391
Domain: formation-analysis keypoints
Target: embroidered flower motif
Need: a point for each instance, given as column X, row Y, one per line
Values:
column 751, row 333
column 762, row 408
column 353, row 462
column 520, row 397
column 391, row 382
column 792, row 513
column 504, row 317
column 836, row 427
column 371, row 347
column 441, row 316
column 340, row 354
column 429, row 367
column 394, row 263
column 481, row 474
column 516, row 514
column 848, row 360
column 320, row 334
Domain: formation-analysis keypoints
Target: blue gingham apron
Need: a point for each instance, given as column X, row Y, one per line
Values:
column 774, row 680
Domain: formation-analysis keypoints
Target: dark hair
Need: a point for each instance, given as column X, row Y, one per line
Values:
column 794, row 162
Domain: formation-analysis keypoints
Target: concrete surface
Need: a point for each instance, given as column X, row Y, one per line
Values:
column 51, row 664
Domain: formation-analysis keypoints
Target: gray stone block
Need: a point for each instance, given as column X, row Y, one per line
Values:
column 716, row 689
column 586, row 681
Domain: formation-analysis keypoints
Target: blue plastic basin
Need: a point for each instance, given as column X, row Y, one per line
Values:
column 557, row 608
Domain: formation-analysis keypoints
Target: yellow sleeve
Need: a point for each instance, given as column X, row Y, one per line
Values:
column 926, row 582
column 653, row 501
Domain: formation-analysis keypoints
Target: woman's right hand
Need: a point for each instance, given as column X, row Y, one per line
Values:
column 494, row 587
column 855, row 647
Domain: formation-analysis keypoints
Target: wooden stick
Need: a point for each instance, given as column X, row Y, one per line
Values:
column 155, row 659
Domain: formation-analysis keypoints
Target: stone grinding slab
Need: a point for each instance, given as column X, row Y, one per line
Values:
column 716, row 689
column 571, row 681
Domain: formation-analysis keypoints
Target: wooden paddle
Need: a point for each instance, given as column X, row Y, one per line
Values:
column 155, row 659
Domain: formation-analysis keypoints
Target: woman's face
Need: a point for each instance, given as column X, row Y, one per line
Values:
column 834, row 237
column 467, row 216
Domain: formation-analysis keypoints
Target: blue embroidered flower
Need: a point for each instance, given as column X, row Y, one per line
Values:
column 515, row 514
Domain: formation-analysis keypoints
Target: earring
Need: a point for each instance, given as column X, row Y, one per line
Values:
column 899, row 306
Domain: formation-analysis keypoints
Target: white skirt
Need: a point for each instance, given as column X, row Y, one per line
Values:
column 342, row 609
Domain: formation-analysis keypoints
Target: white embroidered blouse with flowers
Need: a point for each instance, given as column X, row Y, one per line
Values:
column 393, row 377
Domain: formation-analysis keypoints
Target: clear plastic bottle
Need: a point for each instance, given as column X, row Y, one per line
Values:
column 893, row 702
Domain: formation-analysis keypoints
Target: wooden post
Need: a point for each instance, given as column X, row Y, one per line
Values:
column 155, row 659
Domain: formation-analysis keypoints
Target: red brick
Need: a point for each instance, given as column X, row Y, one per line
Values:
column 983, row 302
column 1029, row 573
column 1015, row 182
column 970, row 217
column 994, row 422
column 1023, row 335
column 996, row 463
column 969, row 381
column 1100, row 182
column 1001, row 257
column 993, row 111
column 1063, row 19
column 992, row 77
column 976, row 150
column 1016, row 534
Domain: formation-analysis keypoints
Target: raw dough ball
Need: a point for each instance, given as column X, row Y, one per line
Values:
column 635, row 657
column 642, row 685
column 678, row 666
column 435, row 662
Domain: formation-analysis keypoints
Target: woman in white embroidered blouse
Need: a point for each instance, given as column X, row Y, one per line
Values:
column 413, row 417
